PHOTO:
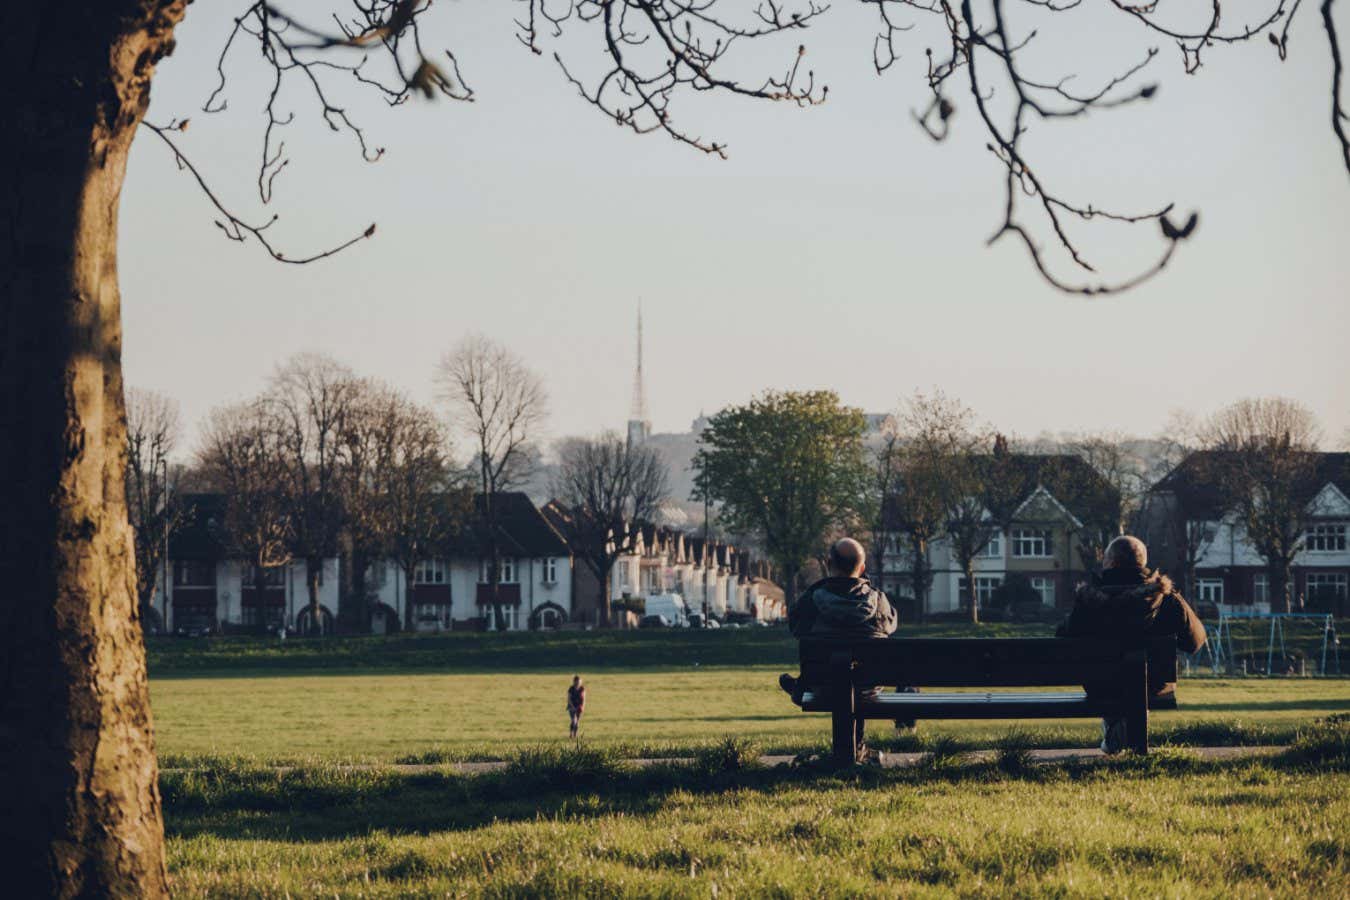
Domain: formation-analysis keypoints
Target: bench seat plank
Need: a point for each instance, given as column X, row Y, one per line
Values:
column 982, row 705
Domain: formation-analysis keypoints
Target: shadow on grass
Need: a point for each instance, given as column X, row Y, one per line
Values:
column 324, row 803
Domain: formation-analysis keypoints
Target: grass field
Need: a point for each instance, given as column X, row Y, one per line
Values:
column 579, row 823
column 331, row 701
column 431, row 717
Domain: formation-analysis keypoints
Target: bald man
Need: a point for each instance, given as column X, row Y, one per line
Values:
column 843, row 604
column 1129, row 600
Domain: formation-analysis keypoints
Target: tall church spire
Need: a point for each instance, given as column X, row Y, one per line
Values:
column 639, row 421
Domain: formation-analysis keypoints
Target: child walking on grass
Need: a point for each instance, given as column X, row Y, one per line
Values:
column 576, row 703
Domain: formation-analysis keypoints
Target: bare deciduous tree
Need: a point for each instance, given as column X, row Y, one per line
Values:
column 311, row 399
column 420, row 500
column 152, row 433
column 885, row 461
column 1263, row 455
column 610, row 486
column 500, row 404
column 362, row 433
column 242, row 455
column 917, row 503
column 951, row 450
column 1121, row 470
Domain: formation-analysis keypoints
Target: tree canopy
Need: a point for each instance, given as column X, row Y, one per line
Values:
column 788, row 467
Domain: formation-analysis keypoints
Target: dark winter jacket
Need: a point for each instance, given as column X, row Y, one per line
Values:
column 1130, row 602
column 842, row 608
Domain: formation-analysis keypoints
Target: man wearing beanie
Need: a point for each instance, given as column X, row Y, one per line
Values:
column 1127, row 600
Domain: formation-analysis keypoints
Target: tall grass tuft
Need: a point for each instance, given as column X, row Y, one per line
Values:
column 567, row 767
column 1324, row 743
column 1013, row 753
column 945, row 755
column 730, row 755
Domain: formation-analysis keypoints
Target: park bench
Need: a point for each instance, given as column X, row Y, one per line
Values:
column 1132, row 673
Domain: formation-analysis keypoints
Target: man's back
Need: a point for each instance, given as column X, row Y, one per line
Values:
column 1134, row 603
column 1129, row 603
column 842, row 607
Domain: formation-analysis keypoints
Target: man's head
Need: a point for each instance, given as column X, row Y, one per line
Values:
column 1125, row 552
column 847, row 559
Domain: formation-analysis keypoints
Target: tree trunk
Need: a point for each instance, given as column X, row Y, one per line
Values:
column 409, row 621
column 358, row 618
column 791, row 575
column 81, row 810
column 919, row 577
column 606, row 600
column 969, row 566
column 313, row 569
column 494, row 589
column 260, row 596
column 1280, row 581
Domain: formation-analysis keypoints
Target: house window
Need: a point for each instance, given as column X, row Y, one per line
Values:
column 429, row 571
column 623, row 573
column 506, row 571
column 1030, row 542
column 432, row 612
column 985, row 586
column 1261, row 588
column 1326, row 538
column 994, row 549
column 1209, row 590
column 1326, row 587
column 1046, row 588
column 509, row 614
column 551, row 570
column 194, row 573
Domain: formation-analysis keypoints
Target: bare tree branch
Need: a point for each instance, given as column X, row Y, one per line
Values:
column 235, row 228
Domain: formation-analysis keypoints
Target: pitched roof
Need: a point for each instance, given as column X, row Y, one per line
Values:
column 1197, row 481
column 201, row 535
column 522, row 527
column 1071, row 481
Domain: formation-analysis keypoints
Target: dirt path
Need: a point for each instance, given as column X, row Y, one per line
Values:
column 888, row 760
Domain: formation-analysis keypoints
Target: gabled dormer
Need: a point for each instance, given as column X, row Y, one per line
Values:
column 1330, row 503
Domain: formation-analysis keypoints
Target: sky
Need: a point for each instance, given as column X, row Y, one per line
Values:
column 837, row 247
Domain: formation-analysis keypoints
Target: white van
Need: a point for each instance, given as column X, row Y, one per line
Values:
column 670, row 606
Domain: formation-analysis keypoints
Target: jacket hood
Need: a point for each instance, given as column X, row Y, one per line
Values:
column 1126, row 601
column 845, row 603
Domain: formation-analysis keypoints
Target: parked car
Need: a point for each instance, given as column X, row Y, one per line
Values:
column 654, row 622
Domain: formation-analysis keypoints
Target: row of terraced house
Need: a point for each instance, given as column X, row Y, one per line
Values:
column 1190, row 532
column 543, row 583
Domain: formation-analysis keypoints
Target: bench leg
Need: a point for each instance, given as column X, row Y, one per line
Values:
column 844, row 734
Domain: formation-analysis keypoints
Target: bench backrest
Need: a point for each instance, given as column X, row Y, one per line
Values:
column 990, row 662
